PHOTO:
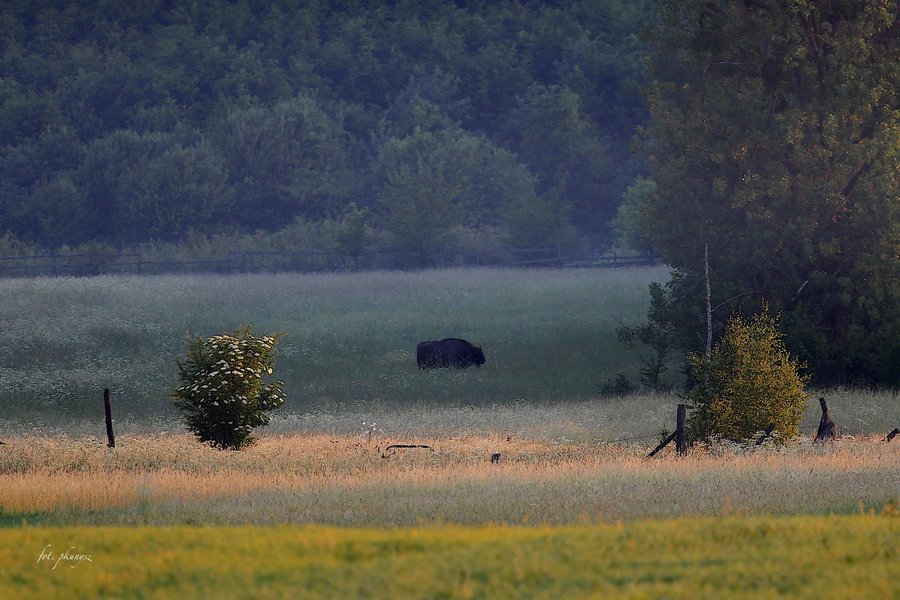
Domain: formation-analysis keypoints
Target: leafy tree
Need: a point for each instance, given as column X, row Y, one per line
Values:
column 22, row 114
column 41, row 200
column 628, row 223
column 538, row 222
column 775, row 141
column 605, row 65
column 435, row 182
column 108, row 178
column 351, row 234
column 748, row 382
column 551, row 134
column 420, row 206
column 294, row 104
column 55, row 208
column 222, row 395
column 430, row 102
column 175, row 191
column 105, row 91
column 657, row 333
column 284, row 161
column 492, row 71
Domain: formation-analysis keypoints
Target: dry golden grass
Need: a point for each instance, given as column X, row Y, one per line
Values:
column 343, row 480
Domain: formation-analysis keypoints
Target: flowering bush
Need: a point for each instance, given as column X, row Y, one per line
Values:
column 222, row 396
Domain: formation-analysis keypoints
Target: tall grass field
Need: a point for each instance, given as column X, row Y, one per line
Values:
column 326, row 505
column 352, row 481
column 549, row 337
column 349, row 340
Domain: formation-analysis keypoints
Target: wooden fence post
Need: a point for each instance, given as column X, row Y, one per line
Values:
column 678, row 435
column 827, row 428
column 662, row 444
column 109, row 428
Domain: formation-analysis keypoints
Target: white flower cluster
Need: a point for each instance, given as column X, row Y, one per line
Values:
column 237, row 374
column 370, row 430
column 223, row 394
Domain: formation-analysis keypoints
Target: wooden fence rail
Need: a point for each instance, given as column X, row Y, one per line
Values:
column 132, row 263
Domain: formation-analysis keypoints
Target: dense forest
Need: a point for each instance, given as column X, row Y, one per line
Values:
column 123, row 123
column 774, row 145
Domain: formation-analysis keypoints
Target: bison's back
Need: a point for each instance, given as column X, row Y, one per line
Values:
column 448, row 352
column 427, row 355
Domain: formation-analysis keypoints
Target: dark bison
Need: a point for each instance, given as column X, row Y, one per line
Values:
column 449, row 352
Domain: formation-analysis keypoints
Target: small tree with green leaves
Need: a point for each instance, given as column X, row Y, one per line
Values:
column 748, row 382
column 222, row 395
column 657, row 333
column 351, row 234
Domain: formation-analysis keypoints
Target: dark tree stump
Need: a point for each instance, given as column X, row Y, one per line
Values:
column 766, row 434
column 828, row 429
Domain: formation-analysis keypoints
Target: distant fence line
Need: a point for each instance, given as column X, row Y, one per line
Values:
column 305, row 261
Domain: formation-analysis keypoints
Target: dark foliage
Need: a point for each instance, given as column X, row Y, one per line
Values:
column 773, row 142
column 222, row 396
column 123, row 123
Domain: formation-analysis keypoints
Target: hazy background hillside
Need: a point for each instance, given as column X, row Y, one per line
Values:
column 122, row 123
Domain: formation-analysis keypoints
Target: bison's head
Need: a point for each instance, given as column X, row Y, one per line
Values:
column 477, row 355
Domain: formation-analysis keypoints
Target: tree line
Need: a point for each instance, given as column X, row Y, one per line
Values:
column 123, row 123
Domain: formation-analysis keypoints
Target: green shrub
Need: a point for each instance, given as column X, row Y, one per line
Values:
column 657, row 333
column 222, row 396
column 748, row 382
column 617, row 386
column 351, row 235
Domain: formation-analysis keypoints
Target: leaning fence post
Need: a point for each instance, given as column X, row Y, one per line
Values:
column 678, row 435
column 662, row 444
column 827, row 428
column 109, row 428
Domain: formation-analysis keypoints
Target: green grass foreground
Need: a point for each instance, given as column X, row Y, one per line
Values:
column 739, row 557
